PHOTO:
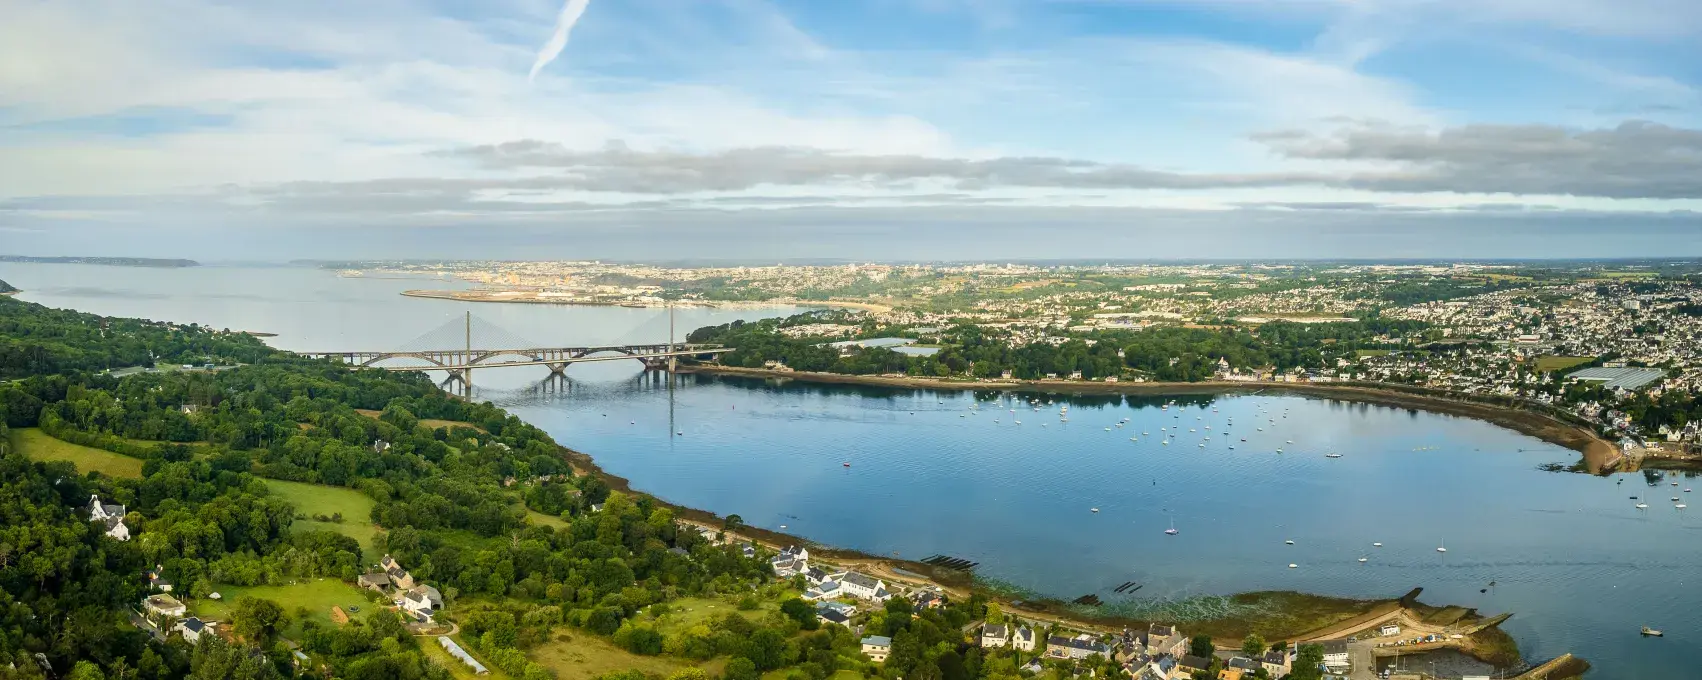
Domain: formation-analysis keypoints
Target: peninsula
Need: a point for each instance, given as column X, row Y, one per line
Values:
column 107, row 261
column 6, row 288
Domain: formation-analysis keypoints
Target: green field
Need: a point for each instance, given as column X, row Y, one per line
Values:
column 318, row 499
column 690, row 611
column 542, row 519
column 1372, row 353
column 1547, row 363
column 38, row 445
column 576, row 655
column 317, row 595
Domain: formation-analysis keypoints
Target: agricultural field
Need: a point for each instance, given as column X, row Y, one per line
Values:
column 577, row 655
column 1556, row 363
column 318, row 499
column 37, row 445
column 428, row 422
column 317, row 595
column 542, row 519
column 684, row 613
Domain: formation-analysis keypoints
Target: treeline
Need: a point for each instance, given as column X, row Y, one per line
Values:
column 1436, row 290
column 6, row 287
column 36, row 340
column 1168, row 353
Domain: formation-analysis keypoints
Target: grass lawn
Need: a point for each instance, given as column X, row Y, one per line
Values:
column 317, row 595
column 577, row 655
column 1372, row 353
column 550, row 521
column 1557, row 363
column 440, row 656
column 690, row 611
column 319, row 499
column 37, row 445
column 428, row 422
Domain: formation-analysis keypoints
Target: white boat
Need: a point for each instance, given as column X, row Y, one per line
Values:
column 1681, row 506
column 1288, row 542
column 1107, row 429
column 1289, row 442
column 1202, row 445
column 1292, row 565
column 1332, row 455
column 1095, row 509
column 1442, row 548
column 1641, row 506
column 1165, row 442
column 1376, row 545
column 1017, row 422
column 1362, row 560
column 1172, row 530
column 1279, row 450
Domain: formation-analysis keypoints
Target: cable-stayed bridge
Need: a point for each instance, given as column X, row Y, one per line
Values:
column 465, row 343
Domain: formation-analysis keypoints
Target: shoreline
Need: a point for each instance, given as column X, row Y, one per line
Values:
column 1599, row 456
column 1350, row 616
column 489, row 296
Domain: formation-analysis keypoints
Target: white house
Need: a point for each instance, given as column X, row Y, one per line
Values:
column 790, row 562
column 1024, row 639
column 826, row 590
column 110, row 516
column 192, row 628
column 421, row 601
column 163, row 605
column 1335, row 653
column 865, row 587
column 1075, row 648
column 1389, row 629
column 877, row 647
column 995, row 635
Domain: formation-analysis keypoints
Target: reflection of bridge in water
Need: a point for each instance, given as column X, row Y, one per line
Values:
column 498, row 348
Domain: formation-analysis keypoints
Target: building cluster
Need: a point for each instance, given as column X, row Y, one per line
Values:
column 417, row 600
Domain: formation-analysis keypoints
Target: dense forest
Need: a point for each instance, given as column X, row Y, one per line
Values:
column 1170, row 353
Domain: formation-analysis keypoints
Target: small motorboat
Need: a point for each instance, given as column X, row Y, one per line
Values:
column 1680, row 506
column 1288, row 542
column 1650, row 632
column 1363, row 560
column 1642, row 506
column 1376, row 545
column 1332, row 455
column 1094, row 509
column 846, row 464
column 1292, row 565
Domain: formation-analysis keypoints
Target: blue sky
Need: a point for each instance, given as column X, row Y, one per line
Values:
column 855, row 128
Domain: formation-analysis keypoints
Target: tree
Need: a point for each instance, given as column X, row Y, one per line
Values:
column 1201, row 646
column 994, row 615
column 732, row 523
column 1306, row 663
column 255, row 618
column 740, row 668
column 86, row 670
column 800, row 611
column 1253, row 646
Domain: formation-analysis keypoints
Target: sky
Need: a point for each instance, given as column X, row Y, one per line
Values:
column 857, row 129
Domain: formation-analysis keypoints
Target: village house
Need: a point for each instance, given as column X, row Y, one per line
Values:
column 376, row 581
column 790, row 562
column 995, row 635
column 929, row 599
column 826, row 590
column 421, row 601
column 192, row 628
column 833, row 616
column 1075, row 648
column 1023, row 640
column 1278, row 662
column 110, row 516
column 877, row 647
column 864, row 587
column 157, row 606
column 158, row 582
column 399, row 577
column 1335, row 653
column 1164, row 640
column 1190, row 664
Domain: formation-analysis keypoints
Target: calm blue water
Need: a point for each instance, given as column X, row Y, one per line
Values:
column 1579, row 565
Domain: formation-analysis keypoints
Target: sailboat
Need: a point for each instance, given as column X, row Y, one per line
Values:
column 1442, row 548
column 1172, row 530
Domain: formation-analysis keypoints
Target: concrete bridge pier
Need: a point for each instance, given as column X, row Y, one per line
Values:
column 558, row 369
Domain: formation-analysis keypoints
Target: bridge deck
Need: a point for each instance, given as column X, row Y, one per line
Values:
column 555, row 357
